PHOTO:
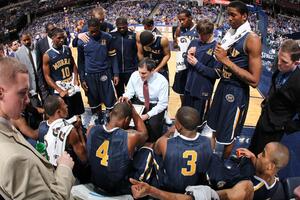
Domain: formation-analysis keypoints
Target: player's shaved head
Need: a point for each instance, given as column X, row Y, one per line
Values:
column 188, row 117
column 51, row 104
column 279, row 154
column 121, row 111
column 9, row 68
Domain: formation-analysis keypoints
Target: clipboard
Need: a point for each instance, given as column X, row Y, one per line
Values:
column 139, row 109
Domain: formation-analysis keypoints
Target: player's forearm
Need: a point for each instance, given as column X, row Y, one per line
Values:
column 243, row 74
column 163, row 195
column 80, row 151
column 140, row 55
column 52, row 84
column 163, row 62
column 139, row 125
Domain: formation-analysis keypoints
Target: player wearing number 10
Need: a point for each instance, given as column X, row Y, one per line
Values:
column 186, row 156
column 59, row 65
column 111, row 148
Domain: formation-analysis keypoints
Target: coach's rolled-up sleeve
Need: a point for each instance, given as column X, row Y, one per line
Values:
column 162, row 103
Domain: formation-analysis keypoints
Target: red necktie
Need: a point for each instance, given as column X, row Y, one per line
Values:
column 146, row 95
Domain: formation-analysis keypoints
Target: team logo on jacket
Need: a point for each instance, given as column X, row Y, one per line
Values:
column 229, row 98
column 103, row 78
column 103, row 42
column 130, row 37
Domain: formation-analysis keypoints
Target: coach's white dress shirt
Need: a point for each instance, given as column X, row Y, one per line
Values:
column 158, row 91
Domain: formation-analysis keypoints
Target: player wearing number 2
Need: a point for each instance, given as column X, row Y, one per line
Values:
column 60, row 69
column 111, row 148
column 186, row 156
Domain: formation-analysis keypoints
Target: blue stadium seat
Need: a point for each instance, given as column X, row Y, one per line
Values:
column 289, row 185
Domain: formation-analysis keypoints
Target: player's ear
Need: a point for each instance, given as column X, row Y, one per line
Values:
column 178, row 126
column 1, row 92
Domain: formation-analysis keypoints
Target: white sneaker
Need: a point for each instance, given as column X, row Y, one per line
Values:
column 167, row 119
column 207, row 131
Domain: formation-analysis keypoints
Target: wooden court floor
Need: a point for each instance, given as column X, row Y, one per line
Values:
column 174, row 101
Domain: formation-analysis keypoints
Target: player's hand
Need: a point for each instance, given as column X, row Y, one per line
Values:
column 192, row 60
column 123, row 99
column 192, row 51
column 65, row 159
column 63, row 93
column 145, row 117
column 78, row 122
column 139, row 189
column 84, row 37
column 116, row 80
column 84, row 86
column 240, row 152
column 220, row 53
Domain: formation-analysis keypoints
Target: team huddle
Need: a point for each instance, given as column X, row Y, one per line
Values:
column 126, row 148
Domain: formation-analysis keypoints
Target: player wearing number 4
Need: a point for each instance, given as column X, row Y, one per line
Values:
column 61, row 74
column 111, row 148
column 186, row 156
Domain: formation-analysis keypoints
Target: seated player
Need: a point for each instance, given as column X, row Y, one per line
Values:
column 59, row 134
column 110, row 149
column 186, row 156
column 262, row 186
column 273, row 158
column 241, row 191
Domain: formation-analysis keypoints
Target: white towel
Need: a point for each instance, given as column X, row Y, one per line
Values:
column 233, row 35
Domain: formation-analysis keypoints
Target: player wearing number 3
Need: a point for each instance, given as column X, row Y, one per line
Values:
column 111, row 148
column 186, row 156
column 60, row 69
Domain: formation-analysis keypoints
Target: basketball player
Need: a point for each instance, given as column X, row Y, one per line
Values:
column 124, row 41
column 98, row 66
column 155, row 47
column 186, row 156
column 61, row 74
column 110, row 148
column 185, row 33
column 201, row 69
column 241, row 68
column 59, row 134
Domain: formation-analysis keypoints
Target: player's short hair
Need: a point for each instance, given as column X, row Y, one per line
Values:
column 188, row 117
column 51, row 104
column 148, row 22
column 186, row 12
column 9, row 68
column 25, row 34
column 240, row 6
column 280, row 155
column 205, row 26
column 47, row 27
column 121, row 21
column 93, row 22
column 56, row 31
column 121, row 110
column 292, row 47
column 146, row 37
column 148, row 63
